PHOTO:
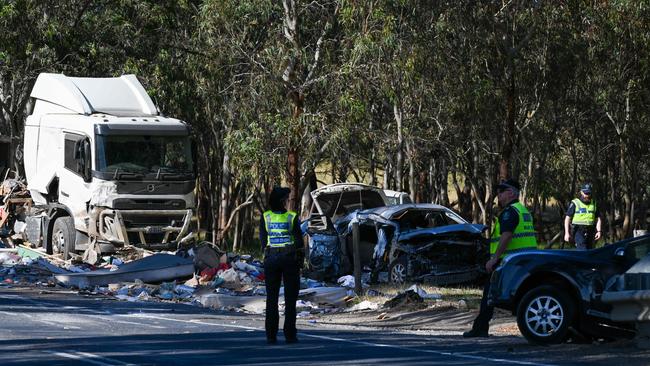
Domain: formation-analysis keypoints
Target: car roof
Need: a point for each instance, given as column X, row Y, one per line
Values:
column 389, row 211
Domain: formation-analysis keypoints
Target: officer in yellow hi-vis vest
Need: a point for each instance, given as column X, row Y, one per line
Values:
column 282, row 243
column 512, row 232
column 582, row 220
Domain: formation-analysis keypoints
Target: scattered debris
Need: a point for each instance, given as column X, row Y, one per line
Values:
column 201, row 274
column 403, row 298
column 423, row 294
column 155, row 268
column 252, row 304
column 364, row 305
column 328, row 296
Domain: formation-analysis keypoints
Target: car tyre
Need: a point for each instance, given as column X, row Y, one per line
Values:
column 398, row 270
column 545, row 314
column 63, row 236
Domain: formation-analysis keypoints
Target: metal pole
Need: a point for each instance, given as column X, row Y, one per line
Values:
column 357, row 258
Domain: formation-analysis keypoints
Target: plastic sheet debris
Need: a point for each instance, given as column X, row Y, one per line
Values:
column 364, row 305
column 332, row 296
column 230, row 279
column 206, row 256
column 346, row 281
column 302, row 305
column 423, row 294
column 251, row 304
column 309, row 283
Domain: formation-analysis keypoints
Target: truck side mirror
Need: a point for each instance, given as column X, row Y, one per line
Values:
column 82, row 156
column 87, row 159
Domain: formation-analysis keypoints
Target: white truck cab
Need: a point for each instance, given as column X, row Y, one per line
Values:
column 103, row 166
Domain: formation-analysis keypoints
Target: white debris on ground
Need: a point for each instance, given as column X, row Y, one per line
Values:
column 222, row 281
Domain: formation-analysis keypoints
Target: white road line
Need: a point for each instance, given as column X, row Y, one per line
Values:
column 370, row 344
column 134, row 323
column 88, row 357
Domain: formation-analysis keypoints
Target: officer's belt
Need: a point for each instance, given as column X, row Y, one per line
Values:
column 284, row 249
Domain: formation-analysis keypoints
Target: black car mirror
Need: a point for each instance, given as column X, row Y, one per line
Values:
column 620, row 253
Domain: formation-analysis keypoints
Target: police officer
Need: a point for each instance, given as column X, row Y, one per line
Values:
column 582, row 221
column 512, row 232
column 281, row 240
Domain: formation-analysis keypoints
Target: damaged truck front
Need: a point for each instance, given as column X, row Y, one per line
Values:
column 103, row 168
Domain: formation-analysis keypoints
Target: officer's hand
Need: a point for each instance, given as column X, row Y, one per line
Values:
column 489, row 266
column 597, row 236
column 567, row 237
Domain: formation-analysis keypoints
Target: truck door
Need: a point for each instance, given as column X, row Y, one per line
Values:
column 75, row 178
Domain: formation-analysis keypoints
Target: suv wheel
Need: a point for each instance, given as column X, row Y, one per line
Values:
column 398, row 270
column 545, row 314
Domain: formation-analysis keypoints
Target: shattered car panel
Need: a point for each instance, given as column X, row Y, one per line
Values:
column 420, row 242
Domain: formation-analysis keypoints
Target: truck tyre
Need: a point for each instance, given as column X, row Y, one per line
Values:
column 63, row 236
column 545, row 314
column 398, row 270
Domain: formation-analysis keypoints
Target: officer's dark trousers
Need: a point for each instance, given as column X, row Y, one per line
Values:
column 482, row 321
column 278, row 268
column 584, row 236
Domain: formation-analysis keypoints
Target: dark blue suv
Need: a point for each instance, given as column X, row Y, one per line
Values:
column 557, row 293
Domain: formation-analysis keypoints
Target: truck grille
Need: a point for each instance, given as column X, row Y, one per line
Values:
column 148, row 204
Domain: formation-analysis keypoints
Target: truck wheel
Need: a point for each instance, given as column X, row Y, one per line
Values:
column 63, row 236
column 398, row 270
column 545, row 314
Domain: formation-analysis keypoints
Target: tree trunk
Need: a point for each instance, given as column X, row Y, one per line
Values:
column 293, row 177
column 224, row 206
column 400, row 148
column 387, row 173
column 444, row 180
column 412, row 185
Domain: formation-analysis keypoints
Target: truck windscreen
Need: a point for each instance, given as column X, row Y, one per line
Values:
column 150, row 157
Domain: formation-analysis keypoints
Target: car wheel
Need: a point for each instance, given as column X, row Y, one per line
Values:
column 398, row 270
column 545, row 314
column 63, row 236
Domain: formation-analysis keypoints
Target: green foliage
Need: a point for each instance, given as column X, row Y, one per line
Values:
column 575, row 73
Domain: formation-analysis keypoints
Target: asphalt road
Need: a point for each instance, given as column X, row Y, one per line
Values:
column 67, row 329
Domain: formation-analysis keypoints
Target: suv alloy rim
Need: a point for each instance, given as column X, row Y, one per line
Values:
column 544, row 316
column 398, row 273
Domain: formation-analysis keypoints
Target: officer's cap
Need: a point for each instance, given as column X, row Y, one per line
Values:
column 509, row 183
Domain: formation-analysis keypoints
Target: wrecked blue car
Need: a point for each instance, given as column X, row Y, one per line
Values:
column 327, row 257
column 408, row 242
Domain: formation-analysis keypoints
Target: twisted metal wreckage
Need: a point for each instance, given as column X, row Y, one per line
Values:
column 416, row 242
